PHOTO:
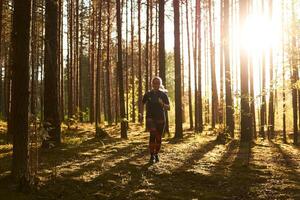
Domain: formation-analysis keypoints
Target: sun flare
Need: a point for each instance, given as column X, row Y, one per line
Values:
column 259, row 34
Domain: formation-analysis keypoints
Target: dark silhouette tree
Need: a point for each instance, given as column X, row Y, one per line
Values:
column 51, row 100
column 20, row 96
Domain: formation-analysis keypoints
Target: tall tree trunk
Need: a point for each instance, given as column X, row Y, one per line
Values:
column 147, row 81
column 189, row 67
column 271, row 120
column 283, row 77
column 221, row 107
column 199, row 91
column 51, row 111
column 245, row 109
column 120, row 73
column 140, row 89
column 98, row 114
column 228, row 98
column 70, row 63
column 126, row 62
column 108, row 95
column 294, row 79
column 92, row 65
column 178, row 100
column 132, row 64
column 195, row 42
column 252, row 101
column 77, row 61
column 156, row 38
column 61, row 59
column 33, row 58
column 20, row 97
column 1, row 85
column 80, row 98
column 161, row 46
column 151, row 39
column 214, row 94
column 263, row 96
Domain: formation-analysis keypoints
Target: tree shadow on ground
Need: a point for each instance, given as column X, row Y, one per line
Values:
column 291, row 172
column 197, row 154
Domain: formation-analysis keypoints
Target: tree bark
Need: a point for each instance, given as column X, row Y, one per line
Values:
column 178, row 94
column 51, row 100
column 228, row 98
column 245, row 109
column 20, row 96
column 120, row 73
column 189, row 68
column 161, row 46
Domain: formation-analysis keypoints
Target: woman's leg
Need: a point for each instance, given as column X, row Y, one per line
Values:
column 160, row 129
column 152, row 143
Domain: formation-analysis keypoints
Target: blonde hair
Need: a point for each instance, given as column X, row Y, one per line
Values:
column 161, row 86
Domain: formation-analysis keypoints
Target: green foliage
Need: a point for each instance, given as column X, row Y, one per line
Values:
column 170, row 75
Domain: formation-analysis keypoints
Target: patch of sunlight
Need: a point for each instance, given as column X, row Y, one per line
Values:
column 74, row 141
column 209, row 160
column 6, row 147
column 146, row 191
column 6, row 173
column 90, row 175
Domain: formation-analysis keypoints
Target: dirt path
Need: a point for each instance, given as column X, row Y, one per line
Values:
column 197, row 167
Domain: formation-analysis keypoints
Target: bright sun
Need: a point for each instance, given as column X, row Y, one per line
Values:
column 260, row 34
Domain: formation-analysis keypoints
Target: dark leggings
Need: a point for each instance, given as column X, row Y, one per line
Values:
column 155, row 137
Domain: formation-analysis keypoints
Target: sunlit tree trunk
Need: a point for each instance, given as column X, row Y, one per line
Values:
column 283, row 77
column 214, row 101
column 151, row 39
column 199, row 66
column 81, row 65
column 195, row 46
column 147, row 81
column 108, row 93
column 245, row 109
column 132, row 64
column 182, row 64
column 1, row 61
column 271, row 97
column 252, row 101
column 178, row 100
column 189, row 67
column 99, row 61
column 120, row 73
column 228, row 98
column 294, row 78
column 126, row 62
column 263, row 106
column 70, row 62
column 161, row 46
column 61, row 60
column 140, row 89
column 221, row 107
column 156, row 39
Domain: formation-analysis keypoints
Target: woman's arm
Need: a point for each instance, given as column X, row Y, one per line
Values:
column 163, row 104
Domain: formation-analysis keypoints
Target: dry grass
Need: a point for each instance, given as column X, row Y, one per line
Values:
column 196, row 167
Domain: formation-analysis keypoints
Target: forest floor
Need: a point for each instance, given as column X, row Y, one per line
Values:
column 196, row 167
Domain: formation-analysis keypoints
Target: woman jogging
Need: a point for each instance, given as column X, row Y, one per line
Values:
column 157, row 102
